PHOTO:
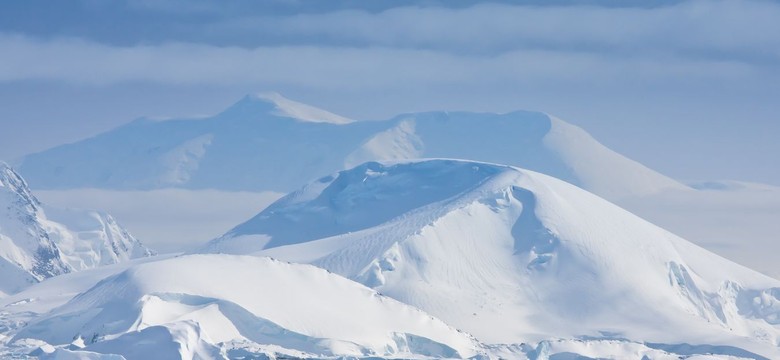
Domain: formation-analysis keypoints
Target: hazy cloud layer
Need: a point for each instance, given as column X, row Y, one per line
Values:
column 688, row 88
column 482, row 44
column 688, row 74
column 743, row 29
column 730, row 28
column 129, row 22
column 84, row 62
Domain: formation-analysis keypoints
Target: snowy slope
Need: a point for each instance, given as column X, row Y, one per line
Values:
column 37, row 242
column 250, row 145
column 531, row 140
column 206, row 306
column 238, row 149
column 511, row 255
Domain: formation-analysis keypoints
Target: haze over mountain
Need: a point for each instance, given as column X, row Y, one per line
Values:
column 432, row 205
column 251, row 145
column 511, row 255
column 509, row 263
column 38, row 242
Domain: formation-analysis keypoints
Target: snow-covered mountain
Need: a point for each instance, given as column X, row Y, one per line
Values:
column 38, row 242
column 511, row 256
column 251, row 145
column 472, row 260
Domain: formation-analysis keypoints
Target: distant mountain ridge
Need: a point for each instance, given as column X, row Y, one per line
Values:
column 38, row 242
column 252, row 144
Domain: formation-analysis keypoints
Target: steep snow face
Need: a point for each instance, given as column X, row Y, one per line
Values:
column 38, row 242
column 511, row 255
column 250, row 145
column 27, row 251
column 199, row 306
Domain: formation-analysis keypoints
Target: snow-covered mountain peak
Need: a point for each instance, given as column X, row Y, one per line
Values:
column 251, row 145
column 3, row 168
column 27, row 252
column 527, row 256
column 365, row 196
column 12, row 183
column 38, row 241
column 274, row 104
column 510, row 256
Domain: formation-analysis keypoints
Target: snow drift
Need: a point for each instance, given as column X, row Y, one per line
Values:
column 511, row 255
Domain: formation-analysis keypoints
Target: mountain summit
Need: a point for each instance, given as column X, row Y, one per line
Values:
column 425, row 259
column 243, row 149
column 274, row 104
column 511, row 255
column 27, row 252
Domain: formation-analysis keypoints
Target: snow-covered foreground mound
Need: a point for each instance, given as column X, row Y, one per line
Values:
column 251, row 145
column 44, row 301
column 212, row 306
column 38, row 242
column 511, row 255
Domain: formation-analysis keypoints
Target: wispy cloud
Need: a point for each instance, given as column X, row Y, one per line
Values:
column 728, row 28
column 685, row 73
column 479, row 45
column 84, row 62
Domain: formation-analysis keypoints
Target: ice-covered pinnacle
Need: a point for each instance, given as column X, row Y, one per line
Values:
column 38, row 242
column 11, row 181
column 271, row 103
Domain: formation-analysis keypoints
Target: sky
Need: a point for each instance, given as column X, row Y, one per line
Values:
column 688, row 88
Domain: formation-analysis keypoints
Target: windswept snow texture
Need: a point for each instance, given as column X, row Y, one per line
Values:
column 512, row 256
column 37, row 242
column 202, row 306
column 251, row 145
